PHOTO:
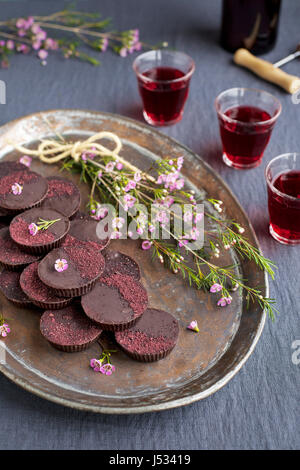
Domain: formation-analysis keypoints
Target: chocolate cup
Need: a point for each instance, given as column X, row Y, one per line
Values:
column 11, row 289
column 17, row 266
column 13, row 267
column 33, row 283
column 75, row 292
column 116, row 294
column 73, row 283
column 73, row 326
column 73, row 349
column 119, row 263
column 147, row 357
column 66, row 203
column 28, row 202
column 84, row 229
column 31, row 216
column 117, row 327
column 51, row 305
column 154, row 324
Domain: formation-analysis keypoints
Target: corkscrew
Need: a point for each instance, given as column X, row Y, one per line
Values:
column 268, row 71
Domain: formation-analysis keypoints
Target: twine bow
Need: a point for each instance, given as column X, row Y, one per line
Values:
column 52, row 151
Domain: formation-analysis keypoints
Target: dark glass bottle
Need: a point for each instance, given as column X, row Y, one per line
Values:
column 251, row 24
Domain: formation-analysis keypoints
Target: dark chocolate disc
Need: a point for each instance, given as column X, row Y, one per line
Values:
column 22, row 190
column 11, row 289
column 115, row 302
column 119, row 263
column 44, row 240
column 84, row 266
column 152, row 337
column 83, row 229
column 63, row 196
column 11, row 255
column 40, row 294
column 69, row 329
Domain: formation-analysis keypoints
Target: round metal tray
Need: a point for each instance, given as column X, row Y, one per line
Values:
column 201, row 363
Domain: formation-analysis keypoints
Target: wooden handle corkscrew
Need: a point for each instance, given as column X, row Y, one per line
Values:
column 266, row 70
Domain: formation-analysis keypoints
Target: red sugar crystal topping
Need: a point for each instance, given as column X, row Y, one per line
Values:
column 20, row 177
column 11, row 253
column 59, row 188
column 87, row 260
column 131, row 290
column 71, row 241
column 136, row 341
column 35, row 288
column 68, row 326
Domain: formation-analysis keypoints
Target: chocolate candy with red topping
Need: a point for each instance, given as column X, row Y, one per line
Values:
column 68, row 329
column 21, row 190
column 41, row 295
column 71, row 270
column 5, row 169
column 28, row 230
column 119, row 263
column 63, row 196
column 83, row 231
column 152, row 338
column 11, row 289
column 115, row 302
column 11, row 255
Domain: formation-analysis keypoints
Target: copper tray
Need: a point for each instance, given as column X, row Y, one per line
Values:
column 201, row 363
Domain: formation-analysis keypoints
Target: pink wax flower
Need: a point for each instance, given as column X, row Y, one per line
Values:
column 146, row 245
column 168, row 201
column 118, row 222
column 101, row 212
column 180, row 161
column 123, row 52
column 17, row 189
column 95, row 364
column 104, row 44
column 36, row 44
column 137, row 176
column 33, row 229
column 42, row 54
column 130, row 185
column 198, row 217
column 21, row 23
column 216, row 288
column 61, row 265
column 193, row 326
column 119, row 166
column 26, row 160
column 224, row 301
column 4, row 330
column 110, row 167
column 107, row 369
column 116, row 235
column 10, row 44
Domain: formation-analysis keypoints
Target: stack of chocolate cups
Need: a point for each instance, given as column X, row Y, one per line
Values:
column 53, row 258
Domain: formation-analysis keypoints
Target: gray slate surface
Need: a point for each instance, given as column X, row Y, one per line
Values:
column 259, row 408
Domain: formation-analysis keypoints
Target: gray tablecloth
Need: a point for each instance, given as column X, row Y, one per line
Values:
column 259, row 408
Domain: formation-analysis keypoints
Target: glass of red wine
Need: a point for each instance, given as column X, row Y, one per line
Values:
column 247, row 117
column 163, row 79
column 283, row 183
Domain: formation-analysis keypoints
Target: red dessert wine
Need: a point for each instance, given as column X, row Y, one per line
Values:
column 284, row 210
column 244, row 135
column 164, row 92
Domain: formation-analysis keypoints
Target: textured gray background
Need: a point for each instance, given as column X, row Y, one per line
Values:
column 259, row 408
